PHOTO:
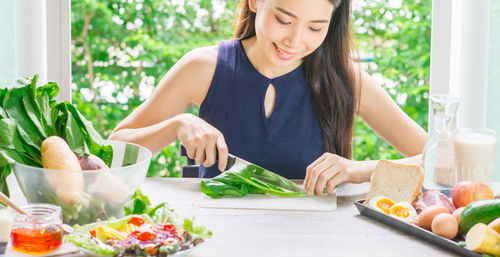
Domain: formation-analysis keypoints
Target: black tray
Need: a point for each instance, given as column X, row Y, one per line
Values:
column 450, row 245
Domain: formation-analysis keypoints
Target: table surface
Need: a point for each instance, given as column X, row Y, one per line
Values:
column 246, row 232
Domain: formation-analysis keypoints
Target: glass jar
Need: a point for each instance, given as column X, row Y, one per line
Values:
column 438, row 153
column 5, row 226
column 39, row 232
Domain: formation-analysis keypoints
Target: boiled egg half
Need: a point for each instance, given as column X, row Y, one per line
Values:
column 382, row 204
column 403, row 211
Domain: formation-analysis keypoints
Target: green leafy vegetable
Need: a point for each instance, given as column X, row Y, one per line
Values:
column 29, row 114
column 271, row 178
column 241, row 180
column 140, row 204
column 90, row 244
column 196, row 231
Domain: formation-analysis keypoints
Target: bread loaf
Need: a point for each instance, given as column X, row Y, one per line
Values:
column 400, row 182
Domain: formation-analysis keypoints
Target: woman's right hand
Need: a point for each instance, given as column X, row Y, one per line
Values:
column 202, row 140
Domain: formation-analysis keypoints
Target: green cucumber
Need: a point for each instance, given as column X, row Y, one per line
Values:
column 482, row 211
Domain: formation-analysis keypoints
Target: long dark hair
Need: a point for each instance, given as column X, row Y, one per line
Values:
column 329, row 72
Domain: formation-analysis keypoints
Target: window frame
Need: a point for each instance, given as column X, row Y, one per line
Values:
column 459, row 53
column 59, row 46
column 459, row 57
column 43, row 42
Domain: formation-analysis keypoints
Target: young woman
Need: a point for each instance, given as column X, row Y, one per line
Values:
column 282, row 95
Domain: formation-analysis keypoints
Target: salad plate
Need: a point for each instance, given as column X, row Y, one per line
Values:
column 145, row 230
column 93, row 254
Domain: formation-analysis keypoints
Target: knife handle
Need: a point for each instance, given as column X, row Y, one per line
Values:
column 183, row 152
column 231, row 159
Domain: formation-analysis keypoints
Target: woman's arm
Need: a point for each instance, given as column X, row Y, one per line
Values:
column 380, row 112
column 161, row 119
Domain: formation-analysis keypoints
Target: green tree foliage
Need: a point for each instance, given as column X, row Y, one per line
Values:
column 397, row 34
column 122, row 48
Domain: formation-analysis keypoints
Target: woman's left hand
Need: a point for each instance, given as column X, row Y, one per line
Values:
column 330, row 170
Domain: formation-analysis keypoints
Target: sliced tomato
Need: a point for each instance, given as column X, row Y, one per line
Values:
column 146, row 232
column 92, row 233
column 168, row 226
column 137, row 220
column 146, row 235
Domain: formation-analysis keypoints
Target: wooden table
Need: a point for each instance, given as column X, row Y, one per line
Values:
column 240, row 232
column 243, row 232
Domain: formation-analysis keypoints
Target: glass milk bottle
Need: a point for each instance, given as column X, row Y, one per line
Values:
column 438, row 153
column 475, row 154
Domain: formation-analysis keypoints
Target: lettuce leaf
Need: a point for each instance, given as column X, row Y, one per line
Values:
column 90, row 244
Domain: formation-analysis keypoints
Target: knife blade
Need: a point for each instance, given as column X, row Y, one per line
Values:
column 255, row 170
column 231, row 159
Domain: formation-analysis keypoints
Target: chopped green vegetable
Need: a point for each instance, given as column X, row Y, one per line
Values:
column 241, row 180
column 271, row 178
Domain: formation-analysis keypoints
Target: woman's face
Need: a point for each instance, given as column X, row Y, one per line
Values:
column 288, row 30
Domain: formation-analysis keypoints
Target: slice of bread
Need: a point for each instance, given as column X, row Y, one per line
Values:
column 400, row 182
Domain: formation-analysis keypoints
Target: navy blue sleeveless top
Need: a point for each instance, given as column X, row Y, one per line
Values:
column 288, row 141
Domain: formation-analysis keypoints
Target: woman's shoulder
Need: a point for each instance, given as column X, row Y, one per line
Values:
column 193, row 73
column 200, row 62
column 201, row 57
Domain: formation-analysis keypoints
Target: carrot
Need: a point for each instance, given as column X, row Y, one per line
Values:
column 57, row 155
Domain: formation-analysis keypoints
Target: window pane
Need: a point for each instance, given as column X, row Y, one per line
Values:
column 493, row 103
column 7, row 72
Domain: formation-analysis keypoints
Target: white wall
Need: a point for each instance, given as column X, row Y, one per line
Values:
column 7, row 70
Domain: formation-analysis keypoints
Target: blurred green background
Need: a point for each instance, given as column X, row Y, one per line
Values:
column 121, row 49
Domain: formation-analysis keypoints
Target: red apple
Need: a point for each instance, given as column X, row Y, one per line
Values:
column 466, row 192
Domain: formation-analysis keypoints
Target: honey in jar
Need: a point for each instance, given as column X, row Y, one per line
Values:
column 38, row 233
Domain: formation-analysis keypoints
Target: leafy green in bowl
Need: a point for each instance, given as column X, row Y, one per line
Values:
column 104, row 191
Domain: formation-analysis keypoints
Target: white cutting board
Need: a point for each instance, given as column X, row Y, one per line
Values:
column 269, row 202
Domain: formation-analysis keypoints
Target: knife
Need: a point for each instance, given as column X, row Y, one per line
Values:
column 255, row 171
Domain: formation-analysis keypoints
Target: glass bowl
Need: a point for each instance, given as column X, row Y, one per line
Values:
column 104, row 191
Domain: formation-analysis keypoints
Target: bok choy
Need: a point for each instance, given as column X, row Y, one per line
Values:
column 241, row 180
column 29, row 114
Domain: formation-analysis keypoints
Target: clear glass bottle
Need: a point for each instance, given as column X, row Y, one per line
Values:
column 5, row 226
column 438, row 153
